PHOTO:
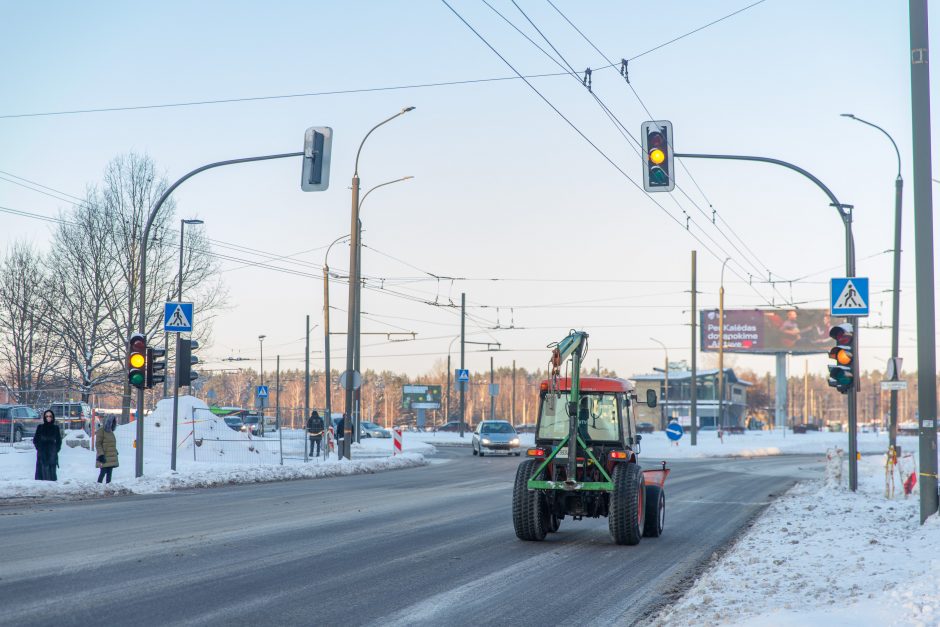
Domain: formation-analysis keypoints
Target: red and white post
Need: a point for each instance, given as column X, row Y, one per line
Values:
column 396, row 441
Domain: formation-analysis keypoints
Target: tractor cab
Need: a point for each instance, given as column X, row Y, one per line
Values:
column 606, row 414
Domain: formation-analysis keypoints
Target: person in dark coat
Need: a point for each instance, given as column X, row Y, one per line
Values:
column 48, row 442
column 315, row 432
column 106, row 448
column 340, row 436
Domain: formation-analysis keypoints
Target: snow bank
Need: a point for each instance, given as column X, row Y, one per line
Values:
column 763, row 443
column 823, row 555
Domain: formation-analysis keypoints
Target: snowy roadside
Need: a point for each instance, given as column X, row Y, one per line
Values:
column 209, row 454
column 823, row 555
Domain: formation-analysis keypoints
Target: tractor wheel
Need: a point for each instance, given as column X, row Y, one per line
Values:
column 655, row 511
column 530, row 518
column 627, row 505
column 554, row 523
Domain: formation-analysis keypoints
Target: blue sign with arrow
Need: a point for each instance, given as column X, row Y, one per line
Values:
column 674, row 431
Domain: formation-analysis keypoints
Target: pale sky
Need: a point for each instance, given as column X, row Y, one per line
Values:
column 504, row 188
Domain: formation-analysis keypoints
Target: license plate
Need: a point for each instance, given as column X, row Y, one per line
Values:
column 562, row 453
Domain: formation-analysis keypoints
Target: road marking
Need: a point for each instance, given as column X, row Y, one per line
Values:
column 708, row 502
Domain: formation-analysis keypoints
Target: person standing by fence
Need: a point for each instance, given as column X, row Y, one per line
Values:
column 315, row 432
column 48, row 442
column 106, row 448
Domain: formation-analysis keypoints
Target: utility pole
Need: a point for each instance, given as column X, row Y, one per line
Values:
column 462, row 384
column 721, row 347
column 327, row 374
column 512, row 407
column 924, row 259
column 306, row 380
column 693, row 385
column 805, row 391
column 277, row 411
column 492, row 396
column 598, row 366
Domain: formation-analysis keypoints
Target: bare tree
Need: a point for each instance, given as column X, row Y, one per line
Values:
column 26, row 308
column 82, row 269
column 131, row 186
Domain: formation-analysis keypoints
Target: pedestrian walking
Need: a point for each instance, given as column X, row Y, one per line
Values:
column 340, row 435
column 48, row 442
column 315, row 432
column 106, row 448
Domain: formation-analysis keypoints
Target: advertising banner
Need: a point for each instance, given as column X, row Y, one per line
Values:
column 421, row 397
column 768, row 331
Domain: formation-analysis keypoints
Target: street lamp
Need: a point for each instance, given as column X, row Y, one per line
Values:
column 666, row 384
column 176, row 379
column 261, row 343
column 721, row 347
column 896, row 302
column 359, row 293
column 351, row 327
column 326, row 331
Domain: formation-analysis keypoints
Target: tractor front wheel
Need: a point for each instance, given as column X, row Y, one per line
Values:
column 627, row 505
column 530, row 518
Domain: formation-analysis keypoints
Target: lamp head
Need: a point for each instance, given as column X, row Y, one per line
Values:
column 407, row 109
column 193, row 221
column 847, row 115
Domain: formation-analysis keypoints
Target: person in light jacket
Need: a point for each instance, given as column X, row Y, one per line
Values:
column 48, row 443
column 106, row 448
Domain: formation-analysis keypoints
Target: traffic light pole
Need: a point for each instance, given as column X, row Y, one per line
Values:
column 142, row 312
column 845, row 213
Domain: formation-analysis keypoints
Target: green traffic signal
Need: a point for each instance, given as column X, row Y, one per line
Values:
column 136, row 378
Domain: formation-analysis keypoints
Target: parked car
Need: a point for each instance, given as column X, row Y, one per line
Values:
column 18, row 422
column 528, row 427
column 254, row 424
column 491, row 436
column 73, row 416
column 371, row 430
column 234, row 422
column 454, row 425
column 645, row 427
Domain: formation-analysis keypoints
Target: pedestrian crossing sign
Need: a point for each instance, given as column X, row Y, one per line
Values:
column 848, row 296
column 178, row 317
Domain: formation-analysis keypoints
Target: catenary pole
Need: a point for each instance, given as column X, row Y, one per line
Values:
column 924, row 259
column 462, row 384
column 693, row 383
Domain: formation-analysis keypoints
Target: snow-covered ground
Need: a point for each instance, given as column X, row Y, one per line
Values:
column 761, row 443
column 821, row 555
column 209, row 453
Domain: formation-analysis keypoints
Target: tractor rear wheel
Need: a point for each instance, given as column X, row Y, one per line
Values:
column 627, row 505
column 530, row 518
column 655, row 511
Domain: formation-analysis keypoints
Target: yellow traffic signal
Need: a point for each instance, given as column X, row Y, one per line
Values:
column 657, row 156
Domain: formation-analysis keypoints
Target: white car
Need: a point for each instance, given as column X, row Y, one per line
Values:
column 493, row 436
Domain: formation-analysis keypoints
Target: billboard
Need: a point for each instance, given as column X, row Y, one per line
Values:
column 768, row 331
column 421, row 397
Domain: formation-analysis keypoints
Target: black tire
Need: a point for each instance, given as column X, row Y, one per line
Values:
column 482, row 454
column 530, row 518
column 554, row 522
column 18, row 435
column 627, row 505
column 655, row 511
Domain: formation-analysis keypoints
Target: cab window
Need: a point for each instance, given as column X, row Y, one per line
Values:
column 599, row 410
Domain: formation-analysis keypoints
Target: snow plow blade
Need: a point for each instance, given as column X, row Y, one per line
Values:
column 656, row 477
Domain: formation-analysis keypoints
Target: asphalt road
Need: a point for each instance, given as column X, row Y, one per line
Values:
column 426, row 546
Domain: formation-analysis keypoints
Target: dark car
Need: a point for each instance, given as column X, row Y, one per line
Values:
column 18, row 422
column 234, row 422
column 454, row 426
column 73, row 416
column 645, row 427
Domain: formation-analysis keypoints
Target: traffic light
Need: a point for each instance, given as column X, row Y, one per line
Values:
column 315, row 176
column 156, row 366
column 185, row 361
column 657, row 140
column 842, row 374
column 137, row 360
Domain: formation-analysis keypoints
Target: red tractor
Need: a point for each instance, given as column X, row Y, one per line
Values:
column 584, row 462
